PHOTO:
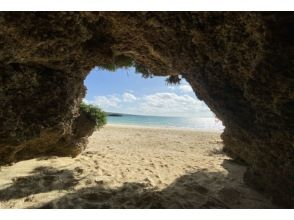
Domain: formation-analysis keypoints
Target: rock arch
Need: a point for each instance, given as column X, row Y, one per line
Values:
column 240, row 64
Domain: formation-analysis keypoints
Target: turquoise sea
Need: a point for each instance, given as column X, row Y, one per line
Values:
column 195, row 123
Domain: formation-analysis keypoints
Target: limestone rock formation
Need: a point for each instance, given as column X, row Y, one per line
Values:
column 240, row 64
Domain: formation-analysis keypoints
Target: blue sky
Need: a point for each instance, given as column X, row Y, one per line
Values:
column 125, row 91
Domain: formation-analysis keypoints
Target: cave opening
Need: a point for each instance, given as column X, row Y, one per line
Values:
column 129, row 98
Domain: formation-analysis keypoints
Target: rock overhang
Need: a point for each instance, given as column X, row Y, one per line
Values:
column 239, row 63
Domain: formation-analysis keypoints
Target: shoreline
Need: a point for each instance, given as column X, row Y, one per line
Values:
column 162, row 128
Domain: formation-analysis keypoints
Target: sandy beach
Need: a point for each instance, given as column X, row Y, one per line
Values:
column 133, row 167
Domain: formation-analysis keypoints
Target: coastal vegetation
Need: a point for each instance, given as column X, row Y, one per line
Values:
column 95, row 114
column 118, row 62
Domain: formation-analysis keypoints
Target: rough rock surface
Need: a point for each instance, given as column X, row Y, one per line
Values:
column 240, row 64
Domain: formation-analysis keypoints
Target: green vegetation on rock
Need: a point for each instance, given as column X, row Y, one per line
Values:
column 118, row 62
column 143, row 70
column 173, row 80
column 94, row 113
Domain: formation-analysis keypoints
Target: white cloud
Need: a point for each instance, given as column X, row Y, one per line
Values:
column 106, row 101
column 173, row 104
column 161, row 103
column 113, row 102
column 183, row 88
column 173, row 88
column 128, row 97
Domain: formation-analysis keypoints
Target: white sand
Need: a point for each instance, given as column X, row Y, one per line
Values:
column 133, row 167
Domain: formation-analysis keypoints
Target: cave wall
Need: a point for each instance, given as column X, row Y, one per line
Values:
column 239, row 63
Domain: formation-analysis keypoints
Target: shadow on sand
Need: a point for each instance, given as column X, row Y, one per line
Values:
column 185, row 192
column 43, row 179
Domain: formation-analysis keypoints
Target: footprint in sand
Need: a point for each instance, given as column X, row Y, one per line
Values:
column 159, row 182
column 105, row 173
column 88, row 182
column 148, row 170
column 152, row 165
column 158, row 179
column 29, row 199
column 156, row 176
column 79, row 170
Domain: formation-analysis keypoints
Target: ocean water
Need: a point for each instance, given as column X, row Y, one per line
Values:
column 205, row 124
